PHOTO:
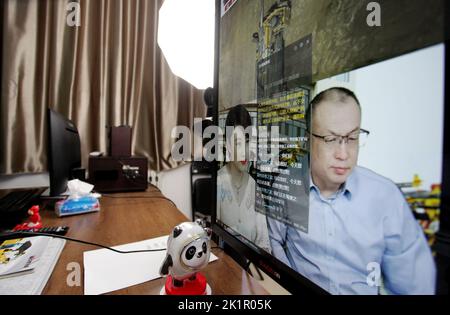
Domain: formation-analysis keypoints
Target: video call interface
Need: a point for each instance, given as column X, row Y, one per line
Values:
column 345, row 191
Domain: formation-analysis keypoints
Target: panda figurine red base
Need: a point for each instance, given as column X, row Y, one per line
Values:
column 188, row 251
column 196, row 286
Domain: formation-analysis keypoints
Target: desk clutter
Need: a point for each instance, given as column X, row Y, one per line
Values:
column 80, row 199
column 120, row 171
column 14, row 206
column 27, row 260
column 118, row 174
column 106, row 271
column 188, row 252
column 27, row 263
column 77, row 206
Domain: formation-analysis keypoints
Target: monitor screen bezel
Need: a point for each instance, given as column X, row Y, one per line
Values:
column 291, row 280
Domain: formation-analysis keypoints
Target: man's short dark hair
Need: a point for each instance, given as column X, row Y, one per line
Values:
column 335, row 93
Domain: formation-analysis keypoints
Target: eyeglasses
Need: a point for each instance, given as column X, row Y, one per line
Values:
column 355, row 139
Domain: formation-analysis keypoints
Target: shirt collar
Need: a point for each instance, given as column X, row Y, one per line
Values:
column 347, row 189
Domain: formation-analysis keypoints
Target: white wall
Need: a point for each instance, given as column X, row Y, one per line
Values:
column 175, row 184
column 24, row 180
column 402, row 102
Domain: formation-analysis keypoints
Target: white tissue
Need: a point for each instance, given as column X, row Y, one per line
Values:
column 78, row 188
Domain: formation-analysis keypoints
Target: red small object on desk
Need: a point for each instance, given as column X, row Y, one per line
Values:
column 34, row 221
column 196, row 286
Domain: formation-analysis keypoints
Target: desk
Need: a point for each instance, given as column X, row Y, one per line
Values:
column 131, row 219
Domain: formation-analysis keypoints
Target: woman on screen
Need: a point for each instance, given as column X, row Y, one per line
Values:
column 236, row 188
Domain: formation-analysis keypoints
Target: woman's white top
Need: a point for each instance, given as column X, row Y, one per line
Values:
column 241, row 216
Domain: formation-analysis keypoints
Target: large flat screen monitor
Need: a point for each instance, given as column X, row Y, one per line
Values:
column 331, row 172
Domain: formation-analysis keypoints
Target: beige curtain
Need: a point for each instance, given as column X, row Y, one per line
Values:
column 108, row 71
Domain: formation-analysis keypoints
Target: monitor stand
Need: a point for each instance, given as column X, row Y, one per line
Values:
column 46, row 194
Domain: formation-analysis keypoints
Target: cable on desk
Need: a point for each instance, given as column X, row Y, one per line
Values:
column 24, row 234
column 247, row 267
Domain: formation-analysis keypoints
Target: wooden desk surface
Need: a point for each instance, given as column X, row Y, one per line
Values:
column 131, row 219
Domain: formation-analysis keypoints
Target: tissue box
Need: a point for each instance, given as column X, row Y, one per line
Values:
column 77, row 206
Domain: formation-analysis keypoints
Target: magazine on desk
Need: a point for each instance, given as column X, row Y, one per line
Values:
column 20, row 255
column 26, row 263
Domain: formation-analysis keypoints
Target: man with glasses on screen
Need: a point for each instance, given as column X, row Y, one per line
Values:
column 362, row 234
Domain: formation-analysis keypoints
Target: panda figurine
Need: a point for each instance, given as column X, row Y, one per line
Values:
column 188, row 251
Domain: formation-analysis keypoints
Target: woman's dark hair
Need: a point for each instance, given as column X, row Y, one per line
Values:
column 238, row 116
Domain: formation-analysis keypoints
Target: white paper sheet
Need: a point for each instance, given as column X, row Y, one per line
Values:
column 106, row 271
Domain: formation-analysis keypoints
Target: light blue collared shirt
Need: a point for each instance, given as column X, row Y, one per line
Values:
column 366, row 223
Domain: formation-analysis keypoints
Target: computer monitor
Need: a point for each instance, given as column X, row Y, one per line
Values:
column 272, row 59
column 63, row 152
